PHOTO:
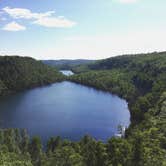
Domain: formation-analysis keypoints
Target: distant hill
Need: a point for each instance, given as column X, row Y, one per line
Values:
column 17, row 73
column 140, row 61
column 131, row 62
column 67, row 64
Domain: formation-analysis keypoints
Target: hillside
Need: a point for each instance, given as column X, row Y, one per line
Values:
column 141, row 79
column 66, row 64
column 17, row 73
column 125, row 61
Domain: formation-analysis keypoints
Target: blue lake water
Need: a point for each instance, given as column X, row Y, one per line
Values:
column 67, row 72
column 66, row 109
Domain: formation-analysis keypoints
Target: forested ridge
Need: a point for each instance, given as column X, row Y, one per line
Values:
column 141, row 80
column 66, row 64
column 18, row 73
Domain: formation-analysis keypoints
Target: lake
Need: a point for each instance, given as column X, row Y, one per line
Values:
column 67, row 72
column 66, row 109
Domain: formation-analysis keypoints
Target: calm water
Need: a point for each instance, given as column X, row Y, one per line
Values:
column 67, row 72
column 66, row 109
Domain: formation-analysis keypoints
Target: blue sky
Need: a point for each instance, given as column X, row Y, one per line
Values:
column 90, row 29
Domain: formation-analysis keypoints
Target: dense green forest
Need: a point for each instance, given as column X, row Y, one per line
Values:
column 18, row 73
column 141, row 80
column 66, row 64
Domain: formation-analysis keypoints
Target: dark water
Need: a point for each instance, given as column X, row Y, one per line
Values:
column 66, row 109
column 67, row 72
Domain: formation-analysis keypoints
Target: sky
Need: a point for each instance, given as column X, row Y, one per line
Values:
column 81, row 29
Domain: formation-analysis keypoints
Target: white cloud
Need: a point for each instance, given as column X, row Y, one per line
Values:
column 44, row 19
column 25, row 13
column 55, row 22
column 14, row 26
column 126, row 1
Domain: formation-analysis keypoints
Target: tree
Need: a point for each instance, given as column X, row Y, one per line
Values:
column 64, row 156
column 35, row 149
column 119, row 151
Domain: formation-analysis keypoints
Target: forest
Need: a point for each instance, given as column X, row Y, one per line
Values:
column 66, row 64
column 140, row 79
column 19, row 73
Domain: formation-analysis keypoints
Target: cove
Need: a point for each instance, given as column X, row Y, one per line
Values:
column 65, row 109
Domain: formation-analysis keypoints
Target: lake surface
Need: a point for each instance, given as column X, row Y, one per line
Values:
column 67, row 72
column 66, row 109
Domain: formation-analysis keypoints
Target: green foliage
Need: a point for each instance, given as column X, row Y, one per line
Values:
column 35, row 149
column 115, row 81
column 150, row 63
column 141, row 79
column 18, row 73
column 53, row 143
column 66, row 64
column 13, row 159
column 119, row 151
column 64, row 156
column 11, row 153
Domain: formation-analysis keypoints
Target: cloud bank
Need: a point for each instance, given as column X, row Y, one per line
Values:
column 25, row 13
column 46, row 19
column 55, row 22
